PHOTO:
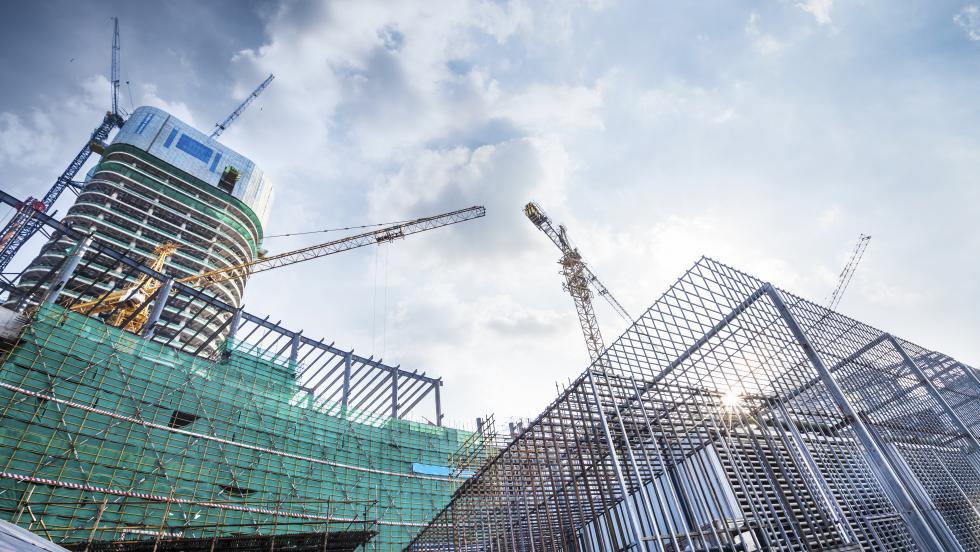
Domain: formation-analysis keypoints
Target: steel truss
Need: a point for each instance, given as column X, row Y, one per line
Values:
column 735, row 416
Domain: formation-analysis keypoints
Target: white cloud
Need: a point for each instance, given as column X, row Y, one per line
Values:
column 27, row 143
column 968, row 19
column 764, row 43
column 819, row 9
column 677, row 98
column 721, row 138
column 543, row 108
column 149, row 96
column 829, row 217
column 37, row 139
column 654, row 150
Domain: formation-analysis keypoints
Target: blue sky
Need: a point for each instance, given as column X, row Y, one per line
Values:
column 765, row 134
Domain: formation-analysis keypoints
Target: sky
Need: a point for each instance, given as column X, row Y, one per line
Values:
column 767, row 134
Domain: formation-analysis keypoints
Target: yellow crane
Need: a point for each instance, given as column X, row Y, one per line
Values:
column 123, row 302
column 129, row 303
column 579, row 280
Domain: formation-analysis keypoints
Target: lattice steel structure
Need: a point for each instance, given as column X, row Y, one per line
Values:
column 736, row 416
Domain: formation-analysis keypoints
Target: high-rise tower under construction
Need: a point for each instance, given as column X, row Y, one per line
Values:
column 162, row 181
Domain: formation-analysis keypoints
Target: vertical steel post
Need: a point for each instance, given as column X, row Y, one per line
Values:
column 436, row 387
column 632, row 518
column 345, row 392
column 161, row 301
column 954, row 417
column 68, row 270
column 236, row 322
column 394, row 392
column 294, row 347
column 906, row 506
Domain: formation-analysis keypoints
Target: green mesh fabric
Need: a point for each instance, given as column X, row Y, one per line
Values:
column 164, row 445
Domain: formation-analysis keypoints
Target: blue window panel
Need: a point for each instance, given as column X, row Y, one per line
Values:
column 170, row 139
column 142, row 126
column 427, row 469
column 214, row 164
column 194, row 148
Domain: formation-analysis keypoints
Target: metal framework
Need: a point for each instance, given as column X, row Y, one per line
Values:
column 579, row 281
column 735, row 416
column 115, row 441
column 329, row 375
column 848, row 272
column 26, row 220
column 223, row 125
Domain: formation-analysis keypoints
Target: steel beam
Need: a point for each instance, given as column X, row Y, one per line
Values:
column 954, row 417
column 68, row 269
column 900, row 496
column 163, row 294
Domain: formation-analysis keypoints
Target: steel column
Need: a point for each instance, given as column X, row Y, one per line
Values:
column 294, row 348
column 904, row 503
column 236, row 322
column 161, row 301
column 394, row 393
column 632, row 517
column 954, row 417
column 345, row 389
column 436, row 385
column 68, row 270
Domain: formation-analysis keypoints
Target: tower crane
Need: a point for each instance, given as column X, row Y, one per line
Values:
column 845, row 276
column 128, row 303
column 223, row 125
column 580, row 281
column 23, row 225
column 114, row 68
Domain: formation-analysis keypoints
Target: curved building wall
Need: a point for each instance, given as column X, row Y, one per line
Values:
column 160, row 181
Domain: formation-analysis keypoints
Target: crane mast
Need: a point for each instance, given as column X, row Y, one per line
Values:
column 223, row 125
column 848, row 272
column 559, row 237
column 114, row 68
column 23, row 225
column 128, row 304
column 579, row 281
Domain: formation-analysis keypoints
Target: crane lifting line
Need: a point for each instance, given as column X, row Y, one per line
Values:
column 382, row 235
column 338, row 229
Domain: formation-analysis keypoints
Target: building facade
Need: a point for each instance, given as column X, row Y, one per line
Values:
column 160, row 181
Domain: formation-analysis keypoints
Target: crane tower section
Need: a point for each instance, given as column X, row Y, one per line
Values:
column 24, row 224
column 580, row 281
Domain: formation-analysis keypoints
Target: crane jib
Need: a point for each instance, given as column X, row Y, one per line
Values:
column 379, row 236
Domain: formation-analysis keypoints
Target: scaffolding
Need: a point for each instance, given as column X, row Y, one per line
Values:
column 248, row 437
column 735, row 416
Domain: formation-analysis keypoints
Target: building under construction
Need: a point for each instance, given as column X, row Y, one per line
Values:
column 735, row 416
column 162, row 181
column 143, row 408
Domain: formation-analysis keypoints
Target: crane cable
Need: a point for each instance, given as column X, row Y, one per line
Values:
column 325, row 230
